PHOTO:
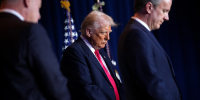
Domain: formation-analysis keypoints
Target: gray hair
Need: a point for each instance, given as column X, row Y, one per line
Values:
column 139, row 4
column 95, row 19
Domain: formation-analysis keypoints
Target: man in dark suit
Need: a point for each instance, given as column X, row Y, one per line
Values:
column 29, row 68
column 146, row 69
column 92, row 77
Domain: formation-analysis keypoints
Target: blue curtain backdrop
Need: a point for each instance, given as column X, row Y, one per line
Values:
column 179, row 36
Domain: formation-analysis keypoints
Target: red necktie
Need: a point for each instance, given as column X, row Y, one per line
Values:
column 108, row 74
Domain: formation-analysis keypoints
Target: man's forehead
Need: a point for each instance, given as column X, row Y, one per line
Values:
column 107, row 27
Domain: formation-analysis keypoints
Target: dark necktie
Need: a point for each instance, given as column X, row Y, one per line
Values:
column 108, row 75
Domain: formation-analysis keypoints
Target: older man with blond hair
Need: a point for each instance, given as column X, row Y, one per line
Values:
column 89, row 70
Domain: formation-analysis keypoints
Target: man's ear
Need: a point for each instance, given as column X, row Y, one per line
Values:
column 149, row 7
column 26, row 3
column 88, row 32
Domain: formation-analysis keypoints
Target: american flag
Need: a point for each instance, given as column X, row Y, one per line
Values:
column 70, row 34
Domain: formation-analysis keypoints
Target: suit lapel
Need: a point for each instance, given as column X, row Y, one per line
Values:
column 149, row 35
column 110, row 67
column 93, row 60
column 161, row 49
column 155, row 41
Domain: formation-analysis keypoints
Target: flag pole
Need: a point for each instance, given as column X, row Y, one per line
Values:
column 70, row 32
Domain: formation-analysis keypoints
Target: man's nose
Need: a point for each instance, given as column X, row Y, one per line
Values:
column 166, row 17
column 107, row 37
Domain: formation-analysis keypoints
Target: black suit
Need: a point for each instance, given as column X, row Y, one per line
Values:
column 146, row 68
column 29, row 68
column 87, row 79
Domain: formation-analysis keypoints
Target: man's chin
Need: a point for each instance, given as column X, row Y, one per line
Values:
column 156, row 28
column 103, row 46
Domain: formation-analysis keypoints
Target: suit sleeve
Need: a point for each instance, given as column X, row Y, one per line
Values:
column 45, row 65
column 143, row 54
column 74, row 66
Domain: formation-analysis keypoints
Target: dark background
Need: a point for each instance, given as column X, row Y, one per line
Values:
column 179, row 36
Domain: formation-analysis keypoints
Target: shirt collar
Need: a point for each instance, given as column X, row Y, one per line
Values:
column 141, row 22
column 11, row 11
column 88, row 44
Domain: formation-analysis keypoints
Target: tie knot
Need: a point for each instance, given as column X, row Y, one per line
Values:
column 97, row 54
column 96, row 51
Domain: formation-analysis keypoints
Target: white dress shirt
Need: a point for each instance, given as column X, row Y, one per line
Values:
column 11, row 11
column 141, row 22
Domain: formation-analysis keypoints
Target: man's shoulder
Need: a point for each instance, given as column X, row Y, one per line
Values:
column 35, row 29
column 34, row 26
column 77, row 46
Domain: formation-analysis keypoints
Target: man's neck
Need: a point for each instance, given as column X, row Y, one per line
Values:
column 141, row 20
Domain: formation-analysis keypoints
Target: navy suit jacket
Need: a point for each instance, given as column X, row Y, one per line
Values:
column 146, row 69
column 29, row 68
column 87, row 79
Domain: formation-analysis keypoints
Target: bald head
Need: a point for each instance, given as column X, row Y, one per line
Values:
column 29, row 9
column 10, row 3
